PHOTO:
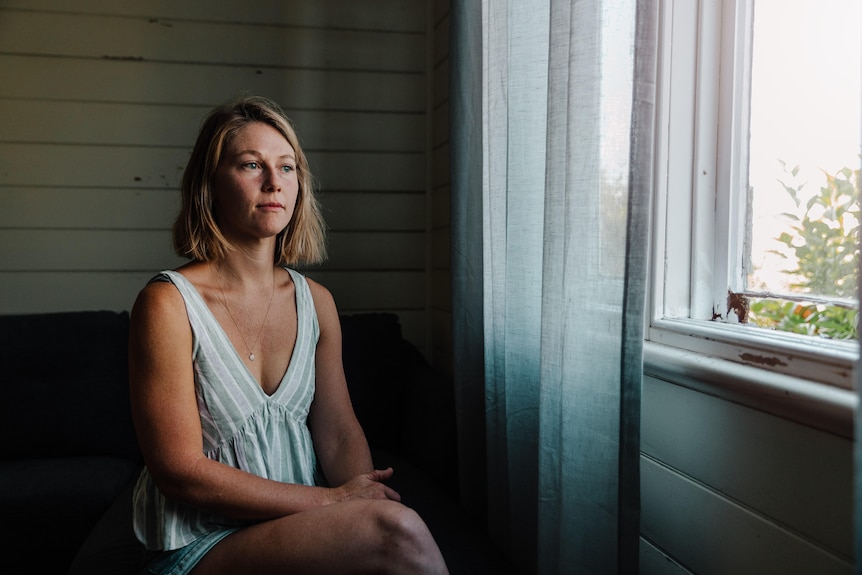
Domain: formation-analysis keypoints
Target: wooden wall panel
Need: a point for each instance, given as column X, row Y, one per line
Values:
column 376, row 250
column 717, row 472
column 71, row 166
column 373, row 290
column 205, row 42
column 369, row 172
column 711, row 535
column 350, row 211
column 70, row 290
column 105, row 103
column 383, row 15
column 654, row 562
column 40, row 207
column 133, row 81
column 56, row 250
column 158, row 125
column 22, row 164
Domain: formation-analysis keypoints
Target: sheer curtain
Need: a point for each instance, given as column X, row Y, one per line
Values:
column 552, row 111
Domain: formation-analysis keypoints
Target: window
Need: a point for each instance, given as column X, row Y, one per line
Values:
column 803, row 165
column 736, row 114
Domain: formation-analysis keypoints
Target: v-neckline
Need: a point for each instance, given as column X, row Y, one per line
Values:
column 248, row 373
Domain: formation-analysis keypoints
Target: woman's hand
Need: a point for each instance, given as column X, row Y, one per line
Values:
column 367, row 486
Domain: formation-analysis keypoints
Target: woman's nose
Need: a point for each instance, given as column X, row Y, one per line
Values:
column 271, row 183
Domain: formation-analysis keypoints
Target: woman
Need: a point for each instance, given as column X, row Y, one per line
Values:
column 255, row 462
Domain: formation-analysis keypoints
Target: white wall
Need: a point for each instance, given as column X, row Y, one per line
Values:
column 100, row 102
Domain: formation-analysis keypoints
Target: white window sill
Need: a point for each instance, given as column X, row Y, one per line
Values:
column 814, row 404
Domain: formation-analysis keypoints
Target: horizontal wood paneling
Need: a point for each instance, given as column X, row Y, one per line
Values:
column 154, row 125
column 369, row 172
column 56, row 165
column 373, row 291
column 383, row 15
column 36, row 208
column 40, row 292
column 349, row 211
column 376, row 251
column 97, row 125
column 104, row 250
column 151, row 209
column 794, row 475
column 207, row 42
column 654, row 562
column 75, row 123
column 711, row 535
column 57, row 250
column 129, row 81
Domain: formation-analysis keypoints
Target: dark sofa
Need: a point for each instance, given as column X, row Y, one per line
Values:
column 70, row 455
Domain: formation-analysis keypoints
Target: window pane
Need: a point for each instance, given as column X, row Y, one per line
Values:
column 805, row 132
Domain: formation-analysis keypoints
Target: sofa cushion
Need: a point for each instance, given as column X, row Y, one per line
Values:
column 64, row 385
column 57, row 500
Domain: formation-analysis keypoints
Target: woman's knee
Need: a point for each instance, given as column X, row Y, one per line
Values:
column 395, row 520
column 403, row 538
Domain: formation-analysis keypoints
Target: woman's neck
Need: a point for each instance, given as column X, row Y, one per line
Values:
column 245, row 269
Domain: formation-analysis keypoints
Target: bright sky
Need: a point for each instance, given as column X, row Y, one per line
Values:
column 805, row 108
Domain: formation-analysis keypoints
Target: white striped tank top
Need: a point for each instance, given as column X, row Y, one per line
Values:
column 242, row 426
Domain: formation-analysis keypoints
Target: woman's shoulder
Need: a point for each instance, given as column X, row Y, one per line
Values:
column 324, row 304
column 319, row 293
column 160, row 298
column 317, row 290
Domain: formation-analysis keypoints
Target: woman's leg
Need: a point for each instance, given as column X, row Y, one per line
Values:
column 371, row 536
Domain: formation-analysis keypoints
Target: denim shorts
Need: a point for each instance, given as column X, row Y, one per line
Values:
column 181, row 561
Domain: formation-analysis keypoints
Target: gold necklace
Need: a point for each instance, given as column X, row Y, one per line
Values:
column 266, row 315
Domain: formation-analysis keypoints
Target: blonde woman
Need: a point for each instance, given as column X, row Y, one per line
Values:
column 255, row 462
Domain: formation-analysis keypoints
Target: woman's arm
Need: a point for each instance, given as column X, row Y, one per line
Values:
column 165, row 412
column 339, row 441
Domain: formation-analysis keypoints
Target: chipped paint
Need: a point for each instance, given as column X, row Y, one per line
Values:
column 771, row 361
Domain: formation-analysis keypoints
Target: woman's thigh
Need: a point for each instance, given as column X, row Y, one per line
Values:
column 349, row 537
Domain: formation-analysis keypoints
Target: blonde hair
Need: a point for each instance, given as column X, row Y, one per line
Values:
column 196, row 233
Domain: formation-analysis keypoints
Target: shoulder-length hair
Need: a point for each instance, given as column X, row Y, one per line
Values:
column 196, row 233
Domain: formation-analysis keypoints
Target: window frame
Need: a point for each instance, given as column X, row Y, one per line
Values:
column 702, row 91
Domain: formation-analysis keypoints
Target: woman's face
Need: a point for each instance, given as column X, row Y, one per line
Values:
column 255, row 185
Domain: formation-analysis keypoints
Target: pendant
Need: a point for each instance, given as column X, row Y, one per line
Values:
column 251, row 356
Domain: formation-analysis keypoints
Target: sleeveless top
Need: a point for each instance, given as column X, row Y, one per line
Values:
column 242, row 426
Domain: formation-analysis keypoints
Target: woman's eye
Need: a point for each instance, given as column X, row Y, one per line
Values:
column 250, row 165
column 287, row 168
